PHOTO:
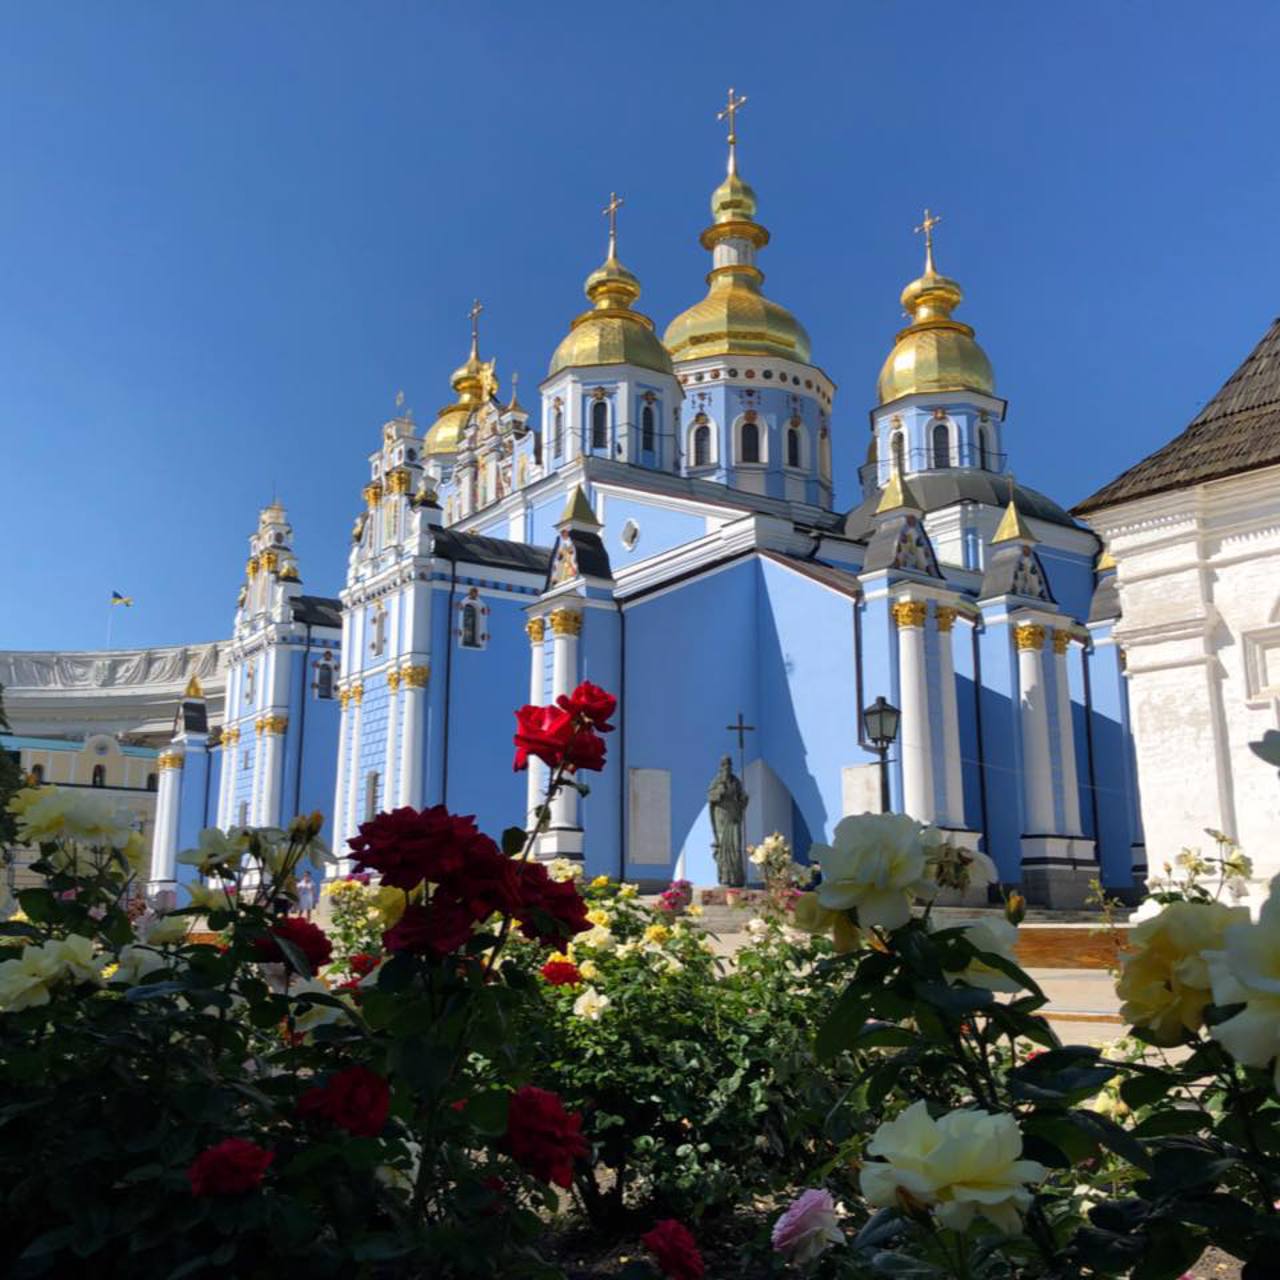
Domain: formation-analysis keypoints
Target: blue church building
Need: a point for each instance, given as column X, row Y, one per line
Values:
column 666, row 524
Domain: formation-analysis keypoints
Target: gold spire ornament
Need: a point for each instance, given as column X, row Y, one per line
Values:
column 730, row 113
column 926, row 228
column 896, row 496
column 477, row 308
column 610, row 211
column 475, row 383
column 1012, row 527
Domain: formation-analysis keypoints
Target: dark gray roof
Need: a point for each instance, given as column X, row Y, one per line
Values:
column 1106, row 598
column 1014, row 569
column 496, row 553
column 935, row 490
column 590, row 554
column 317, row 611
column 1238, row 430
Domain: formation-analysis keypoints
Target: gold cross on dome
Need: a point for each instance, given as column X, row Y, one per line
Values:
column 730, row 113
column 926, row 227
column 476, row 308
column 610, row 211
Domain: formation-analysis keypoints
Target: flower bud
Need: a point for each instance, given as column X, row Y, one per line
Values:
column 1015, row 907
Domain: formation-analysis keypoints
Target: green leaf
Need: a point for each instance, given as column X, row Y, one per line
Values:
column 39, row 905
column 1114, row 1137
column 1163, row 1124
column 487, row 1112
column 1143, row 1090
column 294, row 955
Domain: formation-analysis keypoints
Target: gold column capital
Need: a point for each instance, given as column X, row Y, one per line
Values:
column 537, row 630
column 259, row 726
column 344, row 697
column 397, row 481
column 566, row 622
column 415, row 677
column 270, row 562
column 946, row 616
column 251, row 568
column 372, row 493
column 1029, row 635
column 275, row 724
column 169, row 760
column 910, row 613
column 1061, row 640
column 357, row 693
column 393, row 680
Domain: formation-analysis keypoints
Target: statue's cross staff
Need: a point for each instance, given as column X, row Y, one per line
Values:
column 741, row 729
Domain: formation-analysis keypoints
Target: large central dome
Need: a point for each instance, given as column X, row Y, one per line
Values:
column 735, row 318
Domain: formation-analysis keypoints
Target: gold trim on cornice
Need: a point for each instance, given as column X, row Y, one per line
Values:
column 566, row 622
column 415, row 677
column 1028, row 635
column 169, row 760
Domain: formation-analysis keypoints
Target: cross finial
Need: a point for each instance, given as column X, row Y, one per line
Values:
column 476, row 308
column 610, row 211
column 926, row 227
column 730, row 113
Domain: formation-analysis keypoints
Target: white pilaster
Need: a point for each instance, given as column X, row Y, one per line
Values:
column 390, row 782
column 953, row 784
column 355, row 809
column 339, row 827
column 413, row 683
column 272, row 748
column 256, row 805
column 1037, row 771
column 1066, row 737
column 164, row 846
column 566, row 627
column 537, row 774
column 914, row 735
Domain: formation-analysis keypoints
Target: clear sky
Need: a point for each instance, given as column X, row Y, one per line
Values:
column 230, row 232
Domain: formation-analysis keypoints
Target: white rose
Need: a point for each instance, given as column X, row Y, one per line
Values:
column 135, row 963
column 591, row 1005
column 997, row 937
column 877, row 864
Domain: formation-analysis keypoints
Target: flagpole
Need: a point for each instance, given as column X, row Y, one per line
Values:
column 111, row 617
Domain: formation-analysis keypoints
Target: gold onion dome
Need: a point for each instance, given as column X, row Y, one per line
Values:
column 934, row 352
column 735, row 318
column 611, row 332
column 470, row 382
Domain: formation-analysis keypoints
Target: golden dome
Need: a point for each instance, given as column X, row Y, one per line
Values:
column 735, row 318
column 934, row 352
column 473, row 382
column 610, row 332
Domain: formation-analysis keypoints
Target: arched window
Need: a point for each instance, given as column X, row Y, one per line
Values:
column 984, row 448
column 600, row 425
column 941, row 445
column 793, row 446
column 470, row 626
column 36, row 775
column 371, row 795
column 152, row 782
column 702, row 445
column 646, row 429
column 324, row 680
column 557, row 434
column 750, row 441
column 899, row 449
column 379, row 620
column 244, row 814
column 99, row 776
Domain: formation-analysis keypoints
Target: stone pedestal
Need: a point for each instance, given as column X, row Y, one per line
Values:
column 1057, row 870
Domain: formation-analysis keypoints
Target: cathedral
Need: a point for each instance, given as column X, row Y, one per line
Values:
column 665, row 522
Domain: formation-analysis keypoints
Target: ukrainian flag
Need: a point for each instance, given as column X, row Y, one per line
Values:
column 117, row 598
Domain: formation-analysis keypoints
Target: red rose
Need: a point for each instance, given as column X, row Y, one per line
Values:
column 590, row 705
column 357, row 1100
column 541, row 897
column 363, row 964
column 585, row 751
column 407, row 847
column 544, row 732
column 309, row 938
column 229, row 1169
column 437, row 927
column 675, row 1249
column 486, row 881
column 542, row 1137
column 561, row 973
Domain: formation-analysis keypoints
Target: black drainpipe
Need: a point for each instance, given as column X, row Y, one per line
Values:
column 302, row 725
column 448, row 685
column 859, row 692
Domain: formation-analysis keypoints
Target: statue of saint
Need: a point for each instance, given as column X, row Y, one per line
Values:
column 728, row 799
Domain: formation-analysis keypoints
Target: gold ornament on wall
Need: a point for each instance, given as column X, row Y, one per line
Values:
column 415, row 677
column 946, row 616
column 566, row 622
column 910, row 613
column 1029, row 635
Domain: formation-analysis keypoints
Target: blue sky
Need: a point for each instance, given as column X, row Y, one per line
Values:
column 230, row 232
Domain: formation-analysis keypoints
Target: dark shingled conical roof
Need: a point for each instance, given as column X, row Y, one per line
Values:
column 1238, row 430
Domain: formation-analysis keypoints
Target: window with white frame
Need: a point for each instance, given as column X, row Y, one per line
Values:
column 469, row 630
column 647, row 429
column 941, row 445
column 749, row 441
column 795, row 445
column 371, row 795
column 600, row 425
column 701, row 442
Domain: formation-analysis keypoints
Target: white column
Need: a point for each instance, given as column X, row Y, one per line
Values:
column 914, row 737
column 537, row 776
column 338, row 827
column 1066, row 736
column 273, row 731
column 355, row 810
column 226, row 774
column 164, row 846
column 390, row 780
column 566, row 627
column 953, row 784
column 256, row 806
column 1037, row 771
column 413, row 682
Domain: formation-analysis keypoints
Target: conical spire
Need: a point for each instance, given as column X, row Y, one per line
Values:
column 577, row 511
column 896, row 496
column 1012, row 527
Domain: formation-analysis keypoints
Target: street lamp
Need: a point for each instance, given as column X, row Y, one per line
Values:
column 880, row 724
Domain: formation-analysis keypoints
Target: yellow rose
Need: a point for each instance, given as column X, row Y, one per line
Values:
column 963, row 1165
column 589, row 970
column 694, row 910
column 389, row 903
column 628, row 890
column 811, row 916
column 600, row 882
column 1164, row 979
column 657, row 933
column 211, row 897
column 599, row 916
column 1247, row 970
column 996, row 937
column 876, row 865
column 27, row 981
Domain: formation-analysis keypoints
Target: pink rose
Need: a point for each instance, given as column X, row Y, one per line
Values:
column 808, row 1226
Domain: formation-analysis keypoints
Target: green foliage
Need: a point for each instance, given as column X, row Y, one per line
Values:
column 10, row 781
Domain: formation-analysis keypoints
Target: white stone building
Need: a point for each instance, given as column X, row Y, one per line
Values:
column 1194, row 531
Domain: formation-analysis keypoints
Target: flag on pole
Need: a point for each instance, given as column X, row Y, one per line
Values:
column 117, row 598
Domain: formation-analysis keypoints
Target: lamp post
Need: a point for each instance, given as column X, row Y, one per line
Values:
column 880, row 725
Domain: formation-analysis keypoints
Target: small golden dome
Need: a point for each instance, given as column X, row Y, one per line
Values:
column 733, row 200
column 934, row 352
column 611, row 333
